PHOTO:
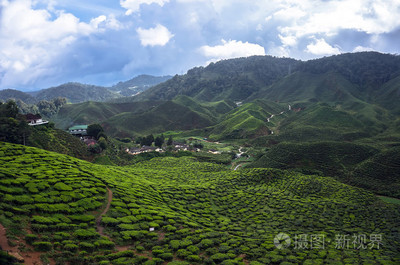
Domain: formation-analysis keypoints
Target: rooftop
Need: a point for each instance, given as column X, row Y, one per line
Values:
column 78, row 127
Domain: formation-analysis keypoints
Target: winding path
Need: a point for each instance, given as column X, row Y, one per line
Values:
column 28, row 258
column 100, row 228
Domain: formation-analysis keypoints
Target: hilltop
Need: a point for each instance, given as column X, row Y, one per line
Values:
column 75, row 92
column 137, row 85
column 369, row 77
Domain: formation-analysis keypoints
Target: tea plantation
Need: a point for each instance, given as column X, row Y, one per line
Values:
column 180, row 211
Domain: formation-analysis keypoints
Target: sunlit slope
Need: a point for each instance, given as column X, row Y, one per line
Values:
column 95, row 112
column 249, row 120
column 211, row 110
column 303, row 86
column 200, row 212
column 168, row 116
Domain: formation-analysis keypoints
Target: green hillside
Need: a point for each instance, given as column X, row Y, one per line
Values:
column 248, row 121
column 77, row 92
column 7, row 94
column 201, row 213
column 95, row 112
column 211, row 110
column 369, row 77
column 355, row 164
column 51, row 139
column 168, row 116
column 235, row 79
column 389, row 95
column 300, row 86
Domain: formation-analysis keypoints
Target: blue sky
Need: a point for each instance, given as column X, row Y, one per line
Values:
column 45, row 43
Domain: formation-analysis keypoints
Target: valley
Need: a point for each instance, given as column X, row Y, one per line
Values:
column 209, row 167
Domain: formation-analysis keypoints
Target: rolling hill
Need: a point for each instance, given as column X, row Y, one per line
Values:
column 248, row 121
column 235, row 79
column 179, row 211
column 96, row 112
column 168, row 116
column 7, row 94
column 138, row 84
column 368, row 77
column 144, row 117
column 76, row 92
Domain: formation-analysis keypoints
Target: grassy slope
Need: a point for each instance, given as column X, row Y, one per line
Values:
column 300, row 86
column 389, row 95
column 56, row 140
column 210, row 110
column 356, row 164
column 165, row 117
column 95, row 112
column 203, row 214
column 246, row 121
column 234, row 79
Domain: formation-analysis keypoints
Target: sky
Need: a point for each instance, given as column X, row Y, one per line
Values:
column 45, row 43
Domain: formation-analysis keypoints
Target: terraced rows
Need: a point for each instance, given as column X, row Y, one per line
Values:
column 179, row 211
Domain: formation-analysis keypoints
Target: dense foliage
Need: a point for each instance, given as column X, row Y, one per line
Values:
column 199, row 213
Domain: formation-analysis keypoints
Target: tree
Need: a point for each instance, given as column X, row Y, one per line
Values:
column 198, row 145
column 13, row 126
column 170, row 140
column 148, row 140
column 94, row 130
column 9, row 109
column 159, row 141
column 103, row 143
column 59, row 102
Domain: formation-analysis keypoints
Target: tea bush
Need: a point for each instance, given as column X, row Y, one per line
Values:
column 178, row 208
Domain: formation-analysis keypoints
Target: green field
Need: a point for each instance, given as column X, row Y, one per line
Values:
column 202, row 213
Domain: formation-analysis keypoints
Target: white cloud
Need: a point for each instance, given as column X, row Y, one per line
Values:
column 362, row 49
column 158, row 36
column 288, row 40
column 232, row 49
column 133, row 6
column 291, row 13
column 321, row 47
column 31, row 39
column 370, row 16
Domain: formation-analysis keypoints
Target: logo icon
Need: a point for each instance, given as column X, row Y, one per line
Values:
column 282, row 240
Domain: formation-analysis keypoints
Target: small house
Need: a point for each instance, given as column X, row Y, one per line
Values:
column 34, row 119
column 146, row 149
column 213, row 151
column 78, row 130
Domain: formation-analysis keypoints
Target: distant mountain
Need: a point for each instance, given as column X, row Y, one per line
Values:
column 367, row 77
column 7, row 94
column 77, row 92
column 138, row 84
column 235, row 79
column 145, row 117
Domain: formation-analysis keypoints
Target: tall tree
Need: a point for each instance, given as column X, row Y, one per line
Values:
column 170, row 140
column 94, row 130
column 159, row 141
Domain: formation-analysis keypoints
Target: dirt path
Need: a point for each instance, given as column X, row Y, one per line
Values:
column 28, row 258
column 100, row 228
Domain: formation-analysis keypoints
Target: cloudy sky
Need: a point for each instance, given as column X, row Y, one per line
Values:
column 45, row 43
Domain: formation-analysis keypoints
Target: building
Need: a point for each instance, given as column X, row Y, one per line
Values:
column 78, row 130
column 34, row 120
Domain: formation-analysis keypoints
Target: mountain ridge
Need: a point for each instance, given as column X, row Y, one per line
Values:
column 76, row 92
